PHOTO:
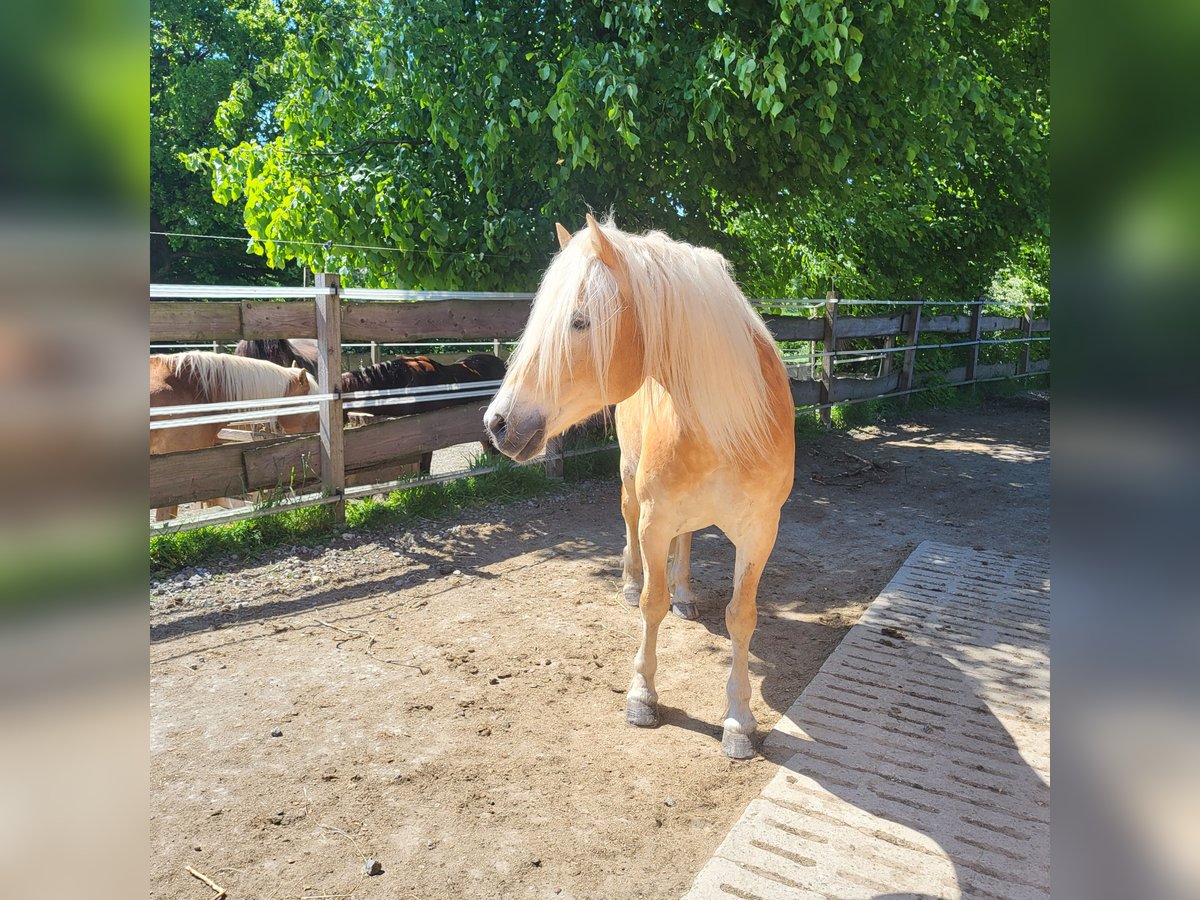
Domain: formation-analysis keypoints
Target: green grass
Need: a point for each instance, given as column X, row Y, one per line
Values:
column 314, row 525
column 936, row 396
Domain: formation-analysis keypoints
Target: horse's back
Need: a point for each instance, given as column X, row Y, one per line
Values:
column 486, row 366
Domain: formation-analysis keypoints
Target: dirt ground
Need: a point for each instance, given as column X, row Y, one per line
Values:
column 449, row 700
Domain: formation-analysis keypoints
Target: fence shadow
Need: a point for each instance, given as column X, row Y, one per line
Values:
column 424, row 561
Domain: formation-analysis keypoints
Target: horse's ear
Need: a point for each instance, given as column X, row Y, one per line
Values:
column 564, row 236
column 604, row 247
column 295, row 365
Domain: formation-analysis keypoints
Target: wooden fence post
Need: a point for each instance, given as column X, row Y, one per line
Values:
column 912, row 334
column 973, row 350
column 554, row 458
column 885, row 363
column 1027, row 333
column 374, row 353
column 829, row 347
column 329, row 380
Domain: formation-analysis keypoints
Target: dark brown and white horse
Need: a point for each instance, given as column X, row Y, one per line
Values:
column 301, row 352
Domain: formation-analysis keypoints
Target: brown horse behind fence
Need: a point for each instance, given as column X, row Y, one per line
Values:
column 421, row 371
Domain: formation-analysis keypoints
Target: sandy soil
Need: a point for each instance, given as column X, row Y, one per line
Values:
column 449, row 701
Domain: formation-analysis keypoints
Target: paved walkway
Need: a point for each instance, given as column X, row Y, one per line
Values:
column 917, row 761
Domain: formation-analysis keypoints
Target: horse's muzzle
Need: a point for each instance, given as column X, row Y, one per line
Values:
column 520, row 439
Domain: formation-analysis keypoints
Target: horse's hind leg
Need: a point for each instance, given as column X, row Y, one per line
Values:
column 631, row 570
column 679, row 576
column 641, row 707
column 741, row 617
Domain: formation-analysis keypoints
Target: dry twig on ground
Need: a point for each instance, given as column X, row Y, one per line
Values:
column 866, row 471
column 352, row 634
column 220, row 895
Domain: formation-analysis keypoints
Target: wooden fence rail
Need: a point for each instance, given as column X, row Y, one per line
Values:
column 335, row 458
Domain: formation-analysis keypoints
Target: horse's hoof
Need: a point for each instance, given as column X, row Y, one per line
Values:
column 736, row 745
column 632, row 594
column 643, row 715
column 687, row 610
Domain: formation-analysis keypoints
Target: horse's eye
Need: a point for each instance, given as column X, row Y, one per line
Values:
column 580, row 323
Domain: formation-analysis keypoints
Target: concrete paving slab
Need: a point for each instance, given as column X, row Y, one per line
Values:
column 917, row 761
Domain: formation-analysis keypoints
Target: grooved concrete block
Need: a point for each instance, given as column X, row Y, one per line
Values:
column 921, row 750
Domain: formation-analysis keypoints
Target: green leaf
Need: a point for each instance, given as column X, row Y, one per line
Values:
column 716, row 6
column 853, row 64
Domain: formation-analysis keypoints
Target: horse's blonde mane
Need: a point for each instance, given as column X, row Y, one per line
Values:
column 222, row 376
column 701, row 336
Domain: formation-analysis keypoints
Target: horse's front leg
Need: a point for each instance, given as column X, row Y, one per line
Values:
column 741, row 617
column 631, row 568
column 679, row 574
column 642, row 700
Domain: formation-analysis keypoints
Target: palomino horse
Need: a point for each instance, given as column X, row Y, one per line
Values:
column 642, row 321
column 199, row 376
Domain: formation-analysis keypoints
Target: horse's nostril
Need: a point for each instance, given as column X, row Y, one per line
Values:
column 496, row 426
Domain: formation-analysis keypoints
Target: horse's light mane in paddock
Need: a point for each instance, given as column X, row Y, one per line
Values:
column 222, row 376
column 700, row 334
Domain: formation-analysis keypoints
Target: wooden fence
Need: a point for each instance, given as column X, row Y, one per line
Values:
column 352, row 460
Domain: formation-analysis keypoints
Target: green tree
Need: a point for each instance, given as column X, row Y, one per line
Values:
column 202, row 54
column 900, row 143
